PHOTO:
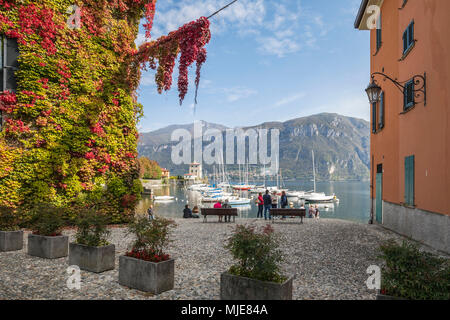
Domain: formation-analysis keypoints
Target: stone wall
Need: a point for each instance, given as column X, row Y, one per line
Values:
column 430, row 228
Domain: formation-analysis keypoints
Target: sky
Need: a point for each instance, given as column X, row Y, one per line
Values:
column 267, row 61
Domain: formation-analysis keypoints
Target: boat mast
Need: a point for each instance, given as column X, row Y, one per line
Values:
column 314, row 171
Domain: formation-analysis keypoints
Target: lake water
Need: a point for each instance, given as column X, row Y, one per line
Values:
column 354, row 204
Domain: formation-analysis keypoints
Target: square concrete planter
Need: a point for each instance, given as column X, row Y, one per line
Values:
column 11, row 240
column 240, row 288
column 48, row 247
column 93, row 259
column 146, row 276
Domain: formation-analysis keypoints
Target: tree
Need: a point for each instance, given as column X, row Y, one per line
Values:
column 149, row 169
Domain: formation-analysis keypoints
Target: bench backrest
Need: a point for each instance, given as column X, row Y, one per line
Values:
column 219, row 212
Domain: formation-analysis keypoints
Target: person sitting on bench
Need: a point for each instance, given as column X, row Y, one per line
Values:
column 226, row 205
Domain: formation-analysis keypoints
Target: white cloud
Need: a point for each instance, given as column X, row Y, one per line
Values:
column 278, row 47
column 238, row 93
column 241, row 15
column 290, row 99
column 279, row 27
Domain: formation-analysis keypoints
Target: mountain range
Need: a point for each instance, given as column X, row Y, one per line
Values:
column 341, row 147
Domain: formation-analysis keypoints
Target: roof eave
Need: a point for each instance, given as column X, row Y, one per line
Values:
column 362, row 10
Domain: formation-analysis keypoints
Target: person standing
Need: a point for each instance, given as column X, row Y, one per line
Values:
column 283, row 200
column 150, row 213
column 267, row 205
column 274, row 200
column 260, row 203
column 317, row 212
column 311, row 211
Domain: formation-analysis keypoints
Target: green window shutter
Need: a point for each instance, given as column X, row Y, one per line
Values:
column 409, row 180
column 405, row 41
column 374, row 117
column 379, row 33
column 411, row 34
column 381, row 115
column 406, row 180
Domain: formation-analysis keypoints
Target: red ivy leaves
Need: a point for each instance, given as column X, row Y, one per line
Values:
column 8, row 101
column 33, row 20
column 189, row 41
column 149, row 15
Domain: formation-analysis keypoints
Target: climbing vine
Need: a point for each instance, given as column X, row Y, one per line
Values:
column 189, row 42
column 69, row 134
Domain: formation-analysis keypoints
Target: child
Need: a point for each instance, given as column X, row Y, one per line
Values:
column 150, row 213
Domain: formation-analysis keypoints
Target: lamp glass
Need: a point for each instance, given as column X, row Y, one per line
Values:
column 373, row 92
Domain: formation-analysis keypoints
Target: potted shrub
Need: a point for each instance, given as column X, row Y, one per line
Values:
column 11, row 238
column 46, row 239
column 91, row 251
column 146, row 267
column 256, row 276
column 410, row 274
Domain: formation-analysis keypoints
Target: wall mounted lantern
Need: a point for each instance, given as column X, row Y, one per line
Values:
column 417, row 87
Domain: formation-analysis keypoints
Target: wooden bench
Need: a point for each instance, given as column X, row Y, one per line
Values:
column 288, row 213
column 232, row 212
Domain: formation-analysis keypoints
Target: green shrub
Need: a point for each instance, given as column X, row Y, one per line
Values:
column 8, row 219
column 47, row 219
column 257, row 253
column 92, row 228
column 413, row 274
column 152, row 238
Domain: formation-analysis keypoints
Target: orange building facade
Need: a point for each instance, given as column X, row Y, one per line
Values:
column 410, row 139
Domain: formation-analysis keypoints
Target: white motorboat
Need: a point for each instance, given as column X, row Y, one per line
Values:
column 164, row 198
column 296, row 194
column 319, row 198
column 237, row 201
column 197, row 187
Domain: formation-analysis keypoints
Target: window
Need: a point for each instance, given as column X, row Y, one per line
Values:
column 374, row 117
column 380, row 168
column 8, row 63
column 381, row 112
column 9, row 53
column 408, row 38
column 379, row 33
column 409, row 181
column 409, row 100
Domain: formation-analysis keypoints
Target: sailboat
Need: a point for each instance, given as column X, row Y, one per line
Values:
column 317, row 197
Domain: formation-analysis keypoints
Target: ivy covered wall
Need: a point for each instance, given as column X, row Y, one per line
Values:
column 69, row 134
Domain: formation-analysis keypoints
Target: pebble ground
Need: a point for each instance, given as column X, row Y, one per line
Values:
column 329, row 259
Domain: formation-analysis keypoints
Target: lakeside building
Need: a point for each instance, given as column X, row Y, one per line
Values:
column 195, row 170
column 410, row 138
column 165, row 174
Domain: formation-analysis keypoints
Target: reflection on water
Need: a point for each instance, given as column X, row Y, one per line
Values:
column 354, row 201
